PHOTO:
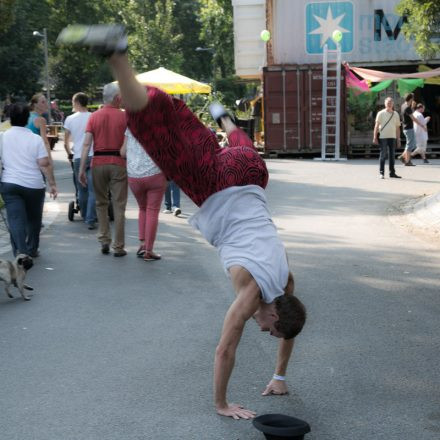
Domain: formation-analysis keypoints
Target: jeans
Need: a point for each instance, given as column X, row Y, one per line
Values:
column 410, row 139
column 24, row 209
column 86, row 195
column 387, row 148
column 172, row 196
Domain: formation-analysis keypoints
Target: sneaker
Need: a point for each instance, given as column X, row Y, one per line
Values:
column 140, row 252
column 381, row 176
column 120, row 253
column 167, row 211
column 395, row 176
column 409, row 164
column 104, row 39
column 177, row 211
column 91, row 226
column 151, row 256
column 105, row 249
column 426, row 161
column 401, row 158
column 218, row 112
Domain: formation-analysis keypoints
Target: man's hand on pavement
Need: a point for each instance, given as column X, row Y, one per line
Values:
column 236, row 412
column 276, row 387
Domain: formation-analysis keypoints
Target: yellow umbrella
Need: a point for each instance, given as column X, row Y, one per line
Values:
column 171, row 82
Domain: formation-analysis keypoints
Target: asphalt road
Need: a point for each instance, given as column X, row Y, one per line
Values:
column 119, row 349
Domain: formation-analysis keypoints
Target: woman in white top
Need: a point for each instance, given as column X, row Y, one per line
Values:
column 24, row 158
column 148, row 184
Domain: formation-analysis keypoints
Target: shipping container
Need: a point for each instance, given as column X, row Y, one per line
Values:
column 293, row 109
column 299, row 29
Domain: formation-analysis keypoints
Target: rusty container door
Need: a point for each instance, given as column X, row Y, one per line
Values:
column 282, row 114
column 293, row 109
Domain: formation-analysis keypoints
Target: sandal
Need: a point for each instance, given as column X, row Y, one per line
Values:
column 140, row 252
column 151, row 256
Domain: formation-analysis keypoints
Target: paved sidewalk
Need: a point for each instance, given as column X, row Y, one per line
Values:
column 121, row 349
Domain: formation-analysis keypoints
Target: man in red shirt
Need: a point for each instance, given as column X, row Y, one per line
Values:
column 105, row 130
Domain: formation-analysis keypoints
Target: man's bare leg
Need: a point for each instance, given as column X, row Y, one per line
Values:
column 134, row 95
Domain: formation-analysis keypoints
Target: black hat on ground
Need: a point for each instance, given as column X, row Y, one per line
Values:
column 281, row 427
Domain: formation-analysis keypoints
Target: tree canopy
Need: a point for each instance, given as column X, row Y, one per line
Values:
column 161, row 33
column 423, row 26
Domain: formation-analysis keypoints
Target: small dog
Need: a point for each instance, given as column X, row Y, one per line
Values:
column 14, row 273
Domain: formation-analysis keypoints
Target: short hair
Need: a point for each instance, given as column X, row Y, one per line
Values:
column 388, row 98
column 19, row 114
column 409, row 96
column 109, row 92
column 81, row 98
column 291, row 315
column 419, row 105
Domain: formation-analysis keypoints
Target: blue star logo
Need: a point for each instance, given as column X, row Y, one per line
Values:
column 322, row 19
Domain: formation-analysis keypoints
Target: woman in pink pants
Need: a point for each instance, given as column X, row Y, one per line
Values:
column 148, row 184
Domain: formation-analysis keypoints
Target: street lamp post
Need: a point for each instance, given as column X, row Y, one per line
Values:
column 46, row 61
column 212, row 51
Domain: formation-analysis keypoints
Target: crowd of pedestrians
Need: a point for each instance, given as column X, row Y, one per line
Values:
column 106, row 160
column 386, row 134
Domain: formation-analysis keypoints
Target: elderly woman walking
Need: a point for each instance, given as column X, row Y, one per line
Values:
column 24, row 159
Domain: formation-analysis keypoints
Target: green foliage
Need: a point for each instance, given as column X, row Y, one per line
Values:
column 6, row 14
column 361, row 108
column 423, row 25
column 21, row 54
column 161, row 33
column 217, row 32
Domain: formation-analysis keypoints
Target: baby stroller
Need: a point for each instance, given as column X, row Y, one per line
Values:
column 74, row 204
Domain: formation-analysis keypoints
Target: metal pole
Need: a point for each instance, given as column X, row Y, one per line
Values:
column 46, row 60
column 338, row 102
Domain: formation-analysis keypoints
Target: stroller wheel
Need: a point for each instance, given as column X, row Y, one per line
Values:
column 71, row 211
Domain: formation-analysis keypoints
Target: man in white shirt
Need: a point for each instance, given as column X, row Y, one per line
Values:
column 75, row 130
column 421, row 135
column 388, row 127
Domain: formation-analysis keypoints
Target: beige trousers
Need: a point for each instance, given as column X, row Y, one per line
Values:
column 113, row 179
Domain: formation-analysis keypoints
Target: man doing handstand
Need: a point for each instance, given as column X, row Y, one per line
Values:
column 228, row 186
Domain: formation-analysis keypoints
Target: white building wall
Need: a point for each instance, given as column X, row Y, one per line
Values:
column 249, row 21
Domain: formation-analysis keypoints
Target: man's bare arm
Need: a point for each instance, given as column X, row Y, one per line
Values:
column 245, row 305
column 134, row 95
column 376, row 131
column 88, row 139
column 276, row 386
column 67, row 144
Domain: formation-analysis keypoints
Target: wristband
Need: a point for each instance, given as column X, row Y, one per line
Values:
column 277, row 377
column 70, row 156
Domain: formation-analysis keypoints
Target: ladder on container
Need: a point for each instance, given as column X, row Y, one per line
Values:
column 331, row 103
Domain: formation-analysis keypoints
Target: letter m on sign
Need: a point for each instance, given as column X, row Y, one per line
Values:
column 381, row 21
